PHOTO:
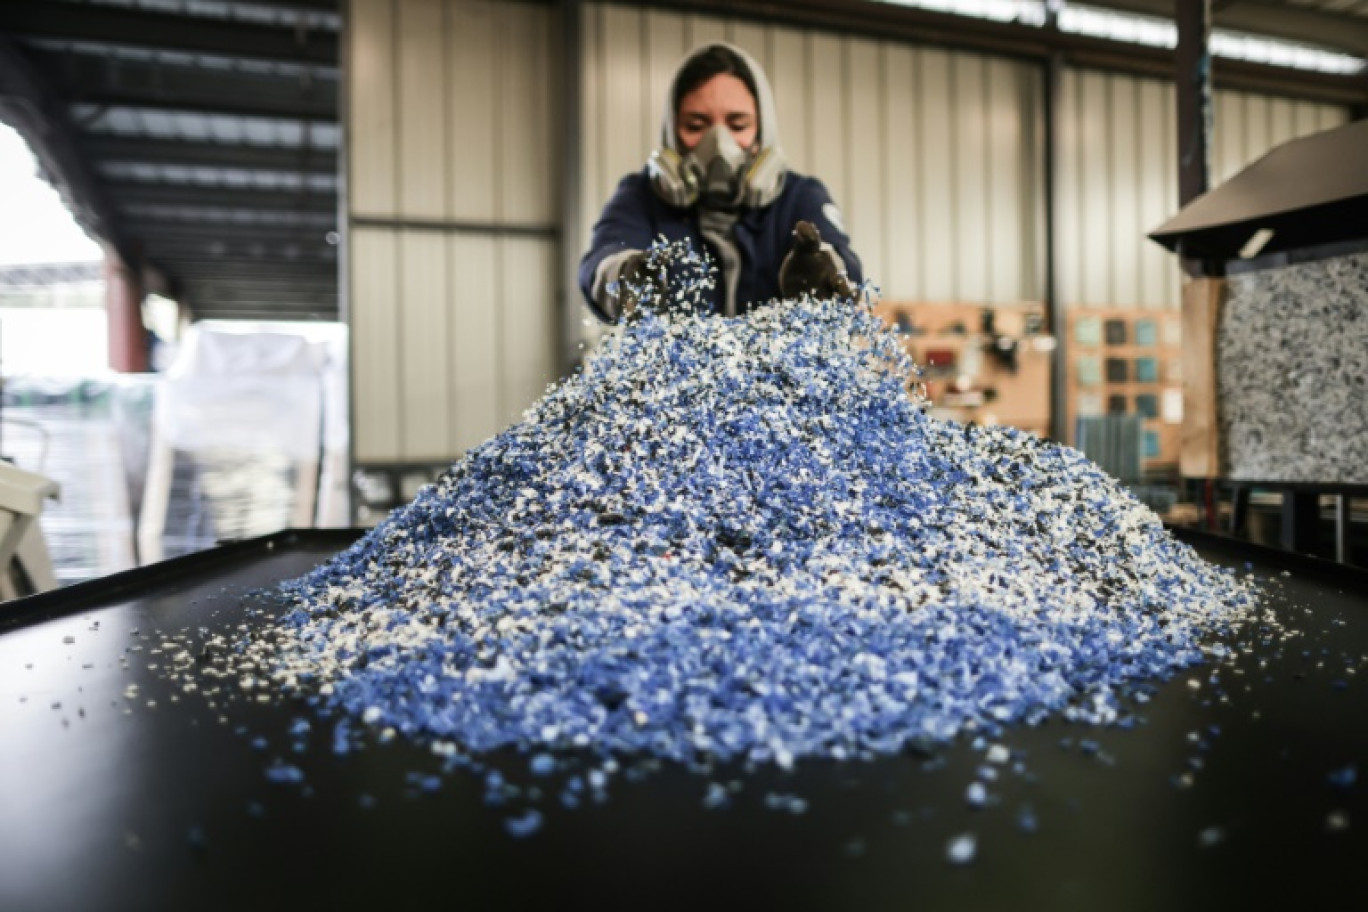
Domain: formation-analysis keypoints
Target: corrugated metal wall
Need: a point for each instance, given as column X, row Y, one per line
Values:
column 933, row 156
column 1118, row 177
column 453, row 210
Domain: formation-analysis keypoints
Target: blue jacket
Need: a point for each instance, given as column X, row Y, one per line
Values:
column 635, row 217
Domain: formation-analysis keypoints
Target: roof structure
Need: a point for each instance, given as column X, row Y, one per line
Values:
column 1339, row 24
column 197, row 138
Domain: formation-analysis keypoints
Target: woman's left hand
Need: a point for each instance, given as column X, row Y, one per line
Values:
column 813, row 266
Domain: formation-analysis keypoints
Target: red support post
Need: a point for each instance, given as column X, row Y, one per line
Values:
column 123, row 306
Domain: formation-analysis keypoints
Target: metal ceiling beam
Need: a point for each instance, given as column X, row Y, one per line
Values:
column 167, row 31
column 255, row 274
column 218, row 248
column 313, row 297
column 180, row 264
column 265, row 315
column 179, row 213
column 261, row 301
column 150, row 230
column 278, row 305
column 248, row 290
column 303, row 6
column 1309, row 25
column 28, row 104
column 283, row 296
column 104, row 147
column 267, row 280
column 262, row 278
column 267, row 266
column 85, row 78
column 268, row 310
column 140, row 193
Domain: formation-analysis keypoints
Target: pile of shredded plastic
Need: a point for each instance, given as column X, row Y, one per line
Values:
column 743, row 539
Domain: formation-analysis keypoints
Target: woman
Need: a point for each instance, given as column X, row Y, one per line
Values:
column 719, row 179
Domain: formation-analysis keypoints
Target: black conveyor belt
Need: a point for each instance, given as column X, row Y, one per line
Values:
column 114, row 797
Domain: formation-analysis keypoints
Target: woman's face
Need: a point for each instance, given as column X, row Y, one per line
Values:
column 723, row 99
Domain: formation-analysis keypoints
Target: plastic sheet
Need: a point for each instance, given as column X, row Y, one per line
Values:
column 252, row 392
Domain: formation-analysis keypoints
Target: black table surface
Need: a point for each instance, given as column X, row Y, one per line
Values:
column 159, row 801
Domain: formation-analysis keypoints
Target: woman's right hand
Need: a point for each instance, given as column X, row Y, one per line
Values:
column 640, row 275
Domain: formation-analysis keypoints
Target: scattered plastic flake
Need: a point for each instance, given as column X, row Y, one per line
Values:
column 1026, row 820
column 1344, row 777
column 716, row 797
column 742, row 539
column 524, row 825
column 284, row 773
column 976, row 794
column 791, row 803
column 1337, row 821
column 961, row 849
column 998, row 753
column 426, row 782
column 1211, row 836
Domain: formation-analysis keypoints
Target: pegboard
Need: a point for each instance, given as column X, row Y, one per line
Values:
column 965, row 379
column 1128, row 361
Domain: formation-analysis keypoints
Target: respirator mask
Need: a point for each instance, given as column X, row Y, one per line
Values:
column 718, row 165
column 717, row 173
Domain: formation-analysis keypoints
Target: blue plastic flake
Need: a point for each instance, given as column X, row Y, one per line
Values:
column 1026, row 819
column 1344, row 777
column 790, row 803
column 976, row 794
column 424, row 781
column 961, row 849
column 716, row 796
column 284, row 773
column 742, row 539
column 543, row 764
column 525, row 824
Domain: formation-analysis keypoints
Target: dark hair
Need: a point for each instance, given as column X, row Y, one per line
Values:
column 713, row 60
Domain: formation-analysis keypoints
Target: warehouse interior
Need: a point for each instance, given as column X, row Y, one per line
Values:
column 818, row 454
column 392, row 197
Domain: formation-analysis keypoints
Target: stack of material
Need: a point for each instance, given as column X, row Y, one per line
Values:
column 741, row 539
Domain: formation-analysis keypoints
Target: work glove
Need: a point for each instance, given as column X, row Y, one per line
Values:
column 628, row 278
column 813, row 266
column 637, row 280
